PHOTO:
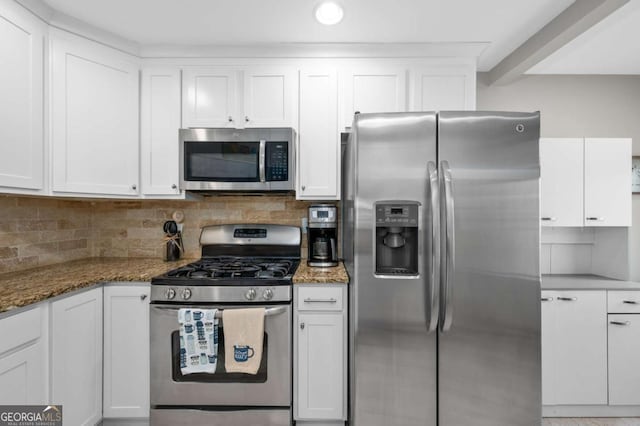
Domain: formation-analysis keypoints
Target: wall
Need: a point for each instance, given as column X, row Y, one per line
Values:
column 42, row 231
column 596, row 106
column 134, row 228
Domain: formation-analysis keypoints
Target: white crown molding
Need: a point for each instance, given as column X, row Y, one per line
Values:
column 317, row 50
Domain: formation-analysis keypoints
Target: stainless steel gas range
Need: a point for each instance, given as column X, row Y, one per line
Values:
column 241, row 266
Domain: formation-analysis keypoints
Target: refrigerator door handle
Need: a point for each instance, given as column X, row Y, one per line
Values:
column 432, row 244
column 447, row 249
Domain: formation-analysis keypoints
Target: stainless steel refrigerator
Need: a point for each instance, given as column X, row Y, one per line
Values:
column 441, row 234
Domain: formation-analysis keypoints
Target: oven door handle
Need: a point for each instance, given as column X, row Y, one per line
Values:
column 268, row 312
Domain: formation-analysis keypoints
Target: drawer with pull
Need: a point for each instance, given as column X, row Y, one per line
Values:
column 319, row 298
column 623, row 302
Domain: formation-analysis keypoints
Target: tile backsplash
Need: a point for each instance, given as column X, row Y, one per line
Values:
column 42, row 231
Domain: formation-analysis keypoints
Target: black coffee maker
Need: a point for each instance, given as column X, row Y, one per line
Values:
column 323, row 235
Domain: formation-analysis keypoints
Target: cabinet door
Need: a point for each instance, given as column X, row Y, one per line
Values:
column 581, row 348
column 561, row 182
column 160, row 122
column 319, row 144
column 624, row 352
column 374, row 90
column 21, row 89
column 209, row 98
column 94, row 118
column 126, row 351
column 24, row 357
column 607, row 173
column 76, row 356
column 320, row 366
column 22, row 378
column 269, row 97
column 441, row 88
column 548, row 335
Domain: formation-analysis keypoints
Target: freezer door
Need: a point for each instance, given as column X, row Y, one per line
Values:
column 489, row 342
column 393, row 358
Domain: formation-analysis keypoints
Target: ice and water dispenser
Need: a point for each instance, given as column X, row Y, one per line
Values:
column 396, row 245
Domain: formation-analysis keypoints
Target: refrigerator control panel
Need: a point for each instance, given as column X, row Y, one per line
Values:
column 396, row 214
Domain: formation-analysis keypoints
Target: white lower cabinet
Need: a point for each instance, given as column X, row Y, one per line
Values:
column 76, row 356
column 126, row 351
column 574, row 347
column 23, row 358
column 624, row 347
column 624, row 353
column 320, row 361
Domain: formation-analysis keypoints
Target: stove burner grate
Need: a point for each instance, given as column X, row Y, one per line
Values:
column 234, row 267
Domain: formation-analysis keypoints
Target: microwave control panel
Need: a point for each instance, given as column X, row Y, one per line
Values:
column 277, row 161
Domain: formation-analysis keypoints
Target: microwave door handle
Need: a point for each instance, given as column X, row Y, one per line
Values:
column 262, row 160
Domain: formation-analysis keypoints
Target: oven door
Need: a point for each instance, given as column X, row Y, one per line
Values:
column 271, row 386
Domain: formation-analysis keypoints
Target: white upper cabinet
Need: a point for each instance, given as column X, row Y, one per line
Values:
column 373, row 89
column 585, row 182
column 318, row 136
column 159, row 125
column 561, row 182
column 607, row 182
column 269, row 97
column 94, row 118
column 444, row 88
column 209, row 98
column 22, row 38
column 239, row 98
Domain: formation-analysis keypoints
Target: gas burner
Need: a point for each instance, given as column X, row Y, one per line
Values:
column 231, row 268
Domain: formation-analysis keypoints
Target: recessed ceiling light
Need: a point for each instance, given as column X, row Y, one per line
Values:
column 329, row 13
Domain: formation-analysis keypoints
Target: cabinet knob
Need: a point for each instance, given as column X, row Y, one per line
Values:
column 134, row 186
column 548, row 219
column 304, row 187
column 567, row 299
column 143, row 296
column 301, row 326
column 547, row 299
column 230, row 119
column 246, row 118
column 630, row 302
column 174, row 186
column 596, row 218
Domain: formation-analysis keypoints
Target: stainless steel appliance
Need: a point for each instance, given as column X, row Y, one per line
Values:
column 323, row 235
column 241, row 266
column 441, row 245
column 237, row 159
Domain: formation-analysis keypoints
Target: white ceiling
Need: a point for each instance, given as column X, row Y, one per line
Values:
column 504, row 24
column 610, row 47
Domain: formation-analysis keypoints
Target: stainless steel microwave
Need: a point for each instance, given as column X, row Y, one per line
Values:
column 237, row 159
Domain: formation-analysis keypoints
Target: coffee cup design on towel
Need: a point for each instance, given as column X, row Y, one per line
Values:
column 242, row 353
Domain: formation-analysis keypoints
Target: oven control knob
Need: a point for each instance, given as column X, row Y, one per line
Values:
column 186, row 294
column 268, row 294
column 250, row 294
column 170, row 293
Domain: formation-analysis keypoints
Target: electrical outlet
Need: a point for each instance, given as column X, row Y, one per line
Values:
column 304, row 223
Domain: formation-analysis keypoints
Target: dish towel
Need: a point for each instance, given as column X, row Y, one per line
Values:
column 243, row 336
column 198, row 340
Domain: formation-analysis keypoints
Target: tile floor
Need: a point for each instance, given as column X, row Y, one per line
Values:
column 591, row 422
